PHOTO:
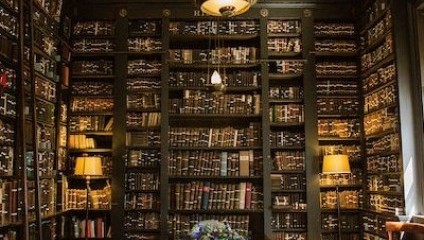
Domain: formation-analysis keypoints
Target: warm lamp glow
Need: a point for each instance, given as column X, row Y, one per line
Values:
column 216, row 78
column 334, row 164
column 88, row 166
column 225, row 8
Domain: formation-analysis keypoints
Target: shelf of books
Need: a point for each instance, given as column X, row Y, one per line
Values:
column 10, row 176
column 215, row 156
column 339, row 128
column 90, row 128
column 384, row 175
column 142, row 204
column 287, row 132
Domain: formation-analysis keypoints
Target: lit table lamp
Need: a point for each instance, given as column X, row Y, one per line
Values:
column 335, row 165
column 88, row 167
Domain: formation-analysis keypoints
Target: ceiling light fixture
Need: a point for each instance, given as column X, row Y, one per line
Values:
column 224, row 8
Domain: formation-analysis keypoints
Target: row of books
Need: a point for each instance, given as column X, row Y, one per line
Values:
column 93, row 28
column 383, row 97
column 230, row 55
column 284, row 92
column 142, row 201
column 386, row 204
column 46, row 67
column 10, row 211
column 347, row 222
column 143, row 83
column 284, row 45
column 81, row 142
column 336, row 87
column 375, row 33
column 7, row 134
column 7, row 105
column 7, row 76
column 352, row 150
column 215, row 163
column 287, row 139
column 216, row 137
column 284, row 26
column 144, row 44
column 370, row 59
column 46, row 43
column 138, row 120
column 288, row 236
column 382, row 164
column 230, row 78
column 144, row 101
column 44, row 112
column 214, row 27
column 91, row 88
column 143, row 138
column 207, row 195
column 383, row 144
column 141, row 181
column 287, row 113
column 343, row 128
column 90, row 123
column 9, row 22
column 289, row 201
column 348, row 106
column 346, row 199
column 93, row 46
column 87, row 104
column 143, row 158
column 288, row 160
column 336, row 68
column 97, row 228
column 92, row 67
column 45, row 89
column 381, row 121
column 141, row 67
column 144, row 27
column 141, row 220
column 288, row 182
column 286, row 66
column 336, row 46
column 97, row 199
column 6, row 161
column 384, row 183
column 353, row 178
column 203, row 102
column 376, row 79
column 334, row 29
column 288, row 221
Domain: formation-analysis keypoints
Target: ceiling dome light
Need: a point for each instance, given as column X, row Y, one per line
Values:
column 225, row 8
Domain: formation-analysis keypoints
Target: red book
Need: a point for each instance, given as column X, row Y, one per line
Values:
column 248, row 195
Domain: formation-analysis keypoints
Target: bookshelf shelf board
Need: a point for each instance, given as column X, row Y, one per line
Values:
column 214, row 148
column 206, row 88
column 383, row 153
column 177, row 65
column 95, row 133
column 288, row 148
column 100, row 76
column 141, row 91
column 289, row 229
column 109, row 96
column 331, row 210
column 285, row 101
column 277, row 35
column 8, row 119
column 137, row 35
column 373, row 22
column 215, row 211
column 94, row 54
column 341, row 186
column 383, row 133
column 140, row 129
column 335, row 54
column 283, row 54
column 7, row 34
column 387, row 214
column 390, row 106
column 105, row 113
column 93, row 210
column 143, row 147
column 7, row 61
column 337, row 97
column 379, row 87
column 288, row 210
column 94, row 150
column 387, row 173
column 11, row 225
column 103, row 177
column 320, row 115
column 289, row 171
column 222, row 178
column 77, row 37
column 141, row 191
column 288, row 191
column 391, row 193
column 11, row 177
column 337, row 76
column 376, row 43
column 141, row 210
column 332, row 231
column 338, row 139
column 143, row 53
column 44, row 77
column 142, row 169
column 91, row 238
column 142, row 110
column 46, row 14
column 199, row 37
column 223, row 115
column 47, row 176
column 390, row 58
column 294, row 124
column 47, row 124
column 146, row 75
column 282, row 76
column 143, row 230
column 40, row 51
column 42, row 99
column 335, row 36
column 9, row 8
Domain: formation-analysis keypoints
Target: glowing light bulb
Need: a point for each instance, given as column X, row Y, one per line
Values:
column 216, row 78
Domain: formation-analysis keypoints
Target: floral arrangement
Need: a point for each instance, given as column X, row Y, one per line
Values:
column 214, row 230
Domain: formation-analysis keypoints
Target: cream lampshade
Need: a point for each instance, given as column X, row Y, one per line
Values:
column 225, row 8
column 334, row 164
column 88, row 166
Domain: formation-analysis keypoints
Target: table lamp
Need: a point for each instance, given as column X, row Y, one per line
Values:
column 335, row 165
column 88, row 167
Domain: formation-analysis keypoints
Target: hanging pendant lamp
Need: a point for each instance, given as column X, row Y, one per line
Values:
column 224, row 8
